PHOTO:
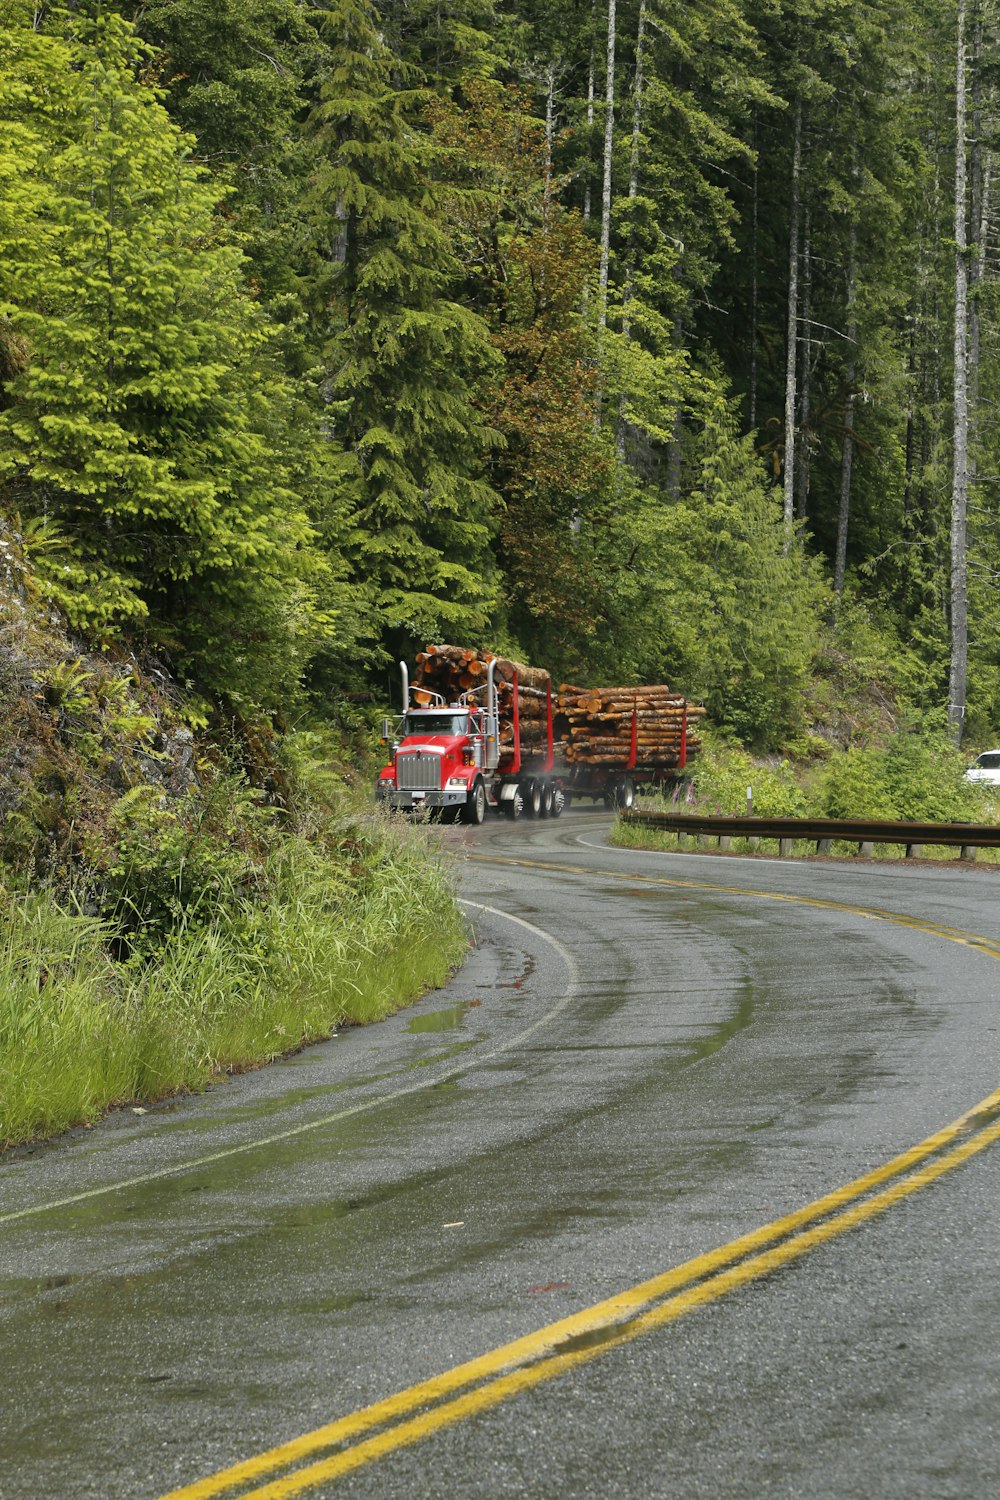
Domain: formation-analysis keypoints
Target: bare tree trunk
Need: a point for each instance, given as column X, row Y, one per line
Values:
column 550, row 115
column 804, row 451
column 633, row 192
column 981, row 172
column 590, row 105
column 609, row 134
column 847, row 456
column 791, row 340
column 754, row 292
column 960, row 446
column 633, row 176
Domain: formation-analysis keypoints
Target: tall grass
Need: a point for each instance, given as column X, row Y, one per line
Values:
column 332, row 944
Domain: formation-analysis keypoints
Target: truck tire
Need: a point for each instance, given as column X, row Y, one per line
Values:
column 619, row 795
column 548, row 794
column 513, row 807
column 560, row 802
column 474, row 810
column 533, row 799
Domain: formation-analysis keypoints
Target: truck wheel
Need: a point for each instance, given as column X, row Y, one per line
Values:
column 560, row 802
column 547, row 796
column 513, row 807
column 533, row 799
column 474, row 811
column 619, row 795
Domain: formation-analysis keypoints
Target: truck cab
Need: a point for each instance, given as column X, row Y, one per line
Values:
column 443, row 754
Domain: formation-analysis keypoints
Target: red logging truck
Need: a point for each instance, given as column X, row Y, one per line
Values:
column 454, row 759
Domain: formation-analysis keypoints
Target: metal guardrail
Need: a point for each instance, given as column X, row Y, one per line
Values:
column 968, row 837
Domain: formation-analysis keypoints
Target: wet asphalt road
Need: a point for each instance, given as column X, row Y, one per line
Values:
column 636, row 1076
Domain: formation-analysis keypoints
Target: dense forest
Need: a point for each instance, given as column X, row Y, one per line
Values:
column 649, row 339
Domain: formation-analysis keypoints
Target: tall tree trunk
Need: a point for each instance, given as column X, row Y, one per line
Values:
column 754, row 292
column 606, row 201
column 791, row 340
column 590, row 106
column 847, row 455
column 960, row 446
column 633, row 192
column 550, row 116
column 640, row 37
column 981, row 171
column 609, row 135
column 804, row 451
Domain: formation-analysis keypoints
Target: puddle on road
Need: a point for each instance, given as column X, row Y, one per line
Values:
column 441, row 1020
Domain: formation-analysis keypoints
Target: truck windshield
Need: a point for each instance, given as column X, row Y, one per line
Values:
column 437, row 724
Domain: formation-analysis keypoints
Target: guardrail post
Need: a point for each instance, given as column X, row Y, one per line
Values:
column 785, row 848
column 823, row 846
column 914, row 851
column 968, row 853
column 725, row 842
column 866, row 849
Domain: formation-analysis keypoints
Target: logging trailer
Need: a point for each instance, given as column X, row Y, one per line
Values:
column 457, row 759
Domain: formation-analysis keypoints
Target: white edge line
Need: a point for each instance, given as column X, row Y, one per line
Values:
column 343, row 1114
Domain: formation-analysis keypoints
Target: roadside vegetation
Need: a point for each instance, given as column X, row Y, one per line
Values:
column 102, row 1010
column 912, row 774
column 178, row 899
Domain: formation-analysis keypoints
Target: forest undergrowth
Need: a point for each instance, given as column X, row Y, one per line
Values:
column 324, row 941
column 182, row 898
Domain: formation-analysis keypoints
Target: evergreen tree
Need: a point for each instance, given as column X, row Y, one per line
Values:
column 403, row 358
column 239, row 75
column 146, row 426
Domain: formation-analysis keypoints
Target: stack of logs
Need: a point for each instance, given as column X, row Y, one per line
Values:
column 597, row 724
column 591, row 726
column 450, row 671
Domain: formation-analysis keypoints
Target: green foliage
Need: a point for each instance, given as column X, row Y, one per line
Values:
column 714, row 594
column 404, row 358
column 343, row 934
column 917, row 776
column 146, row 426
column 723, row 772
column 236, row 73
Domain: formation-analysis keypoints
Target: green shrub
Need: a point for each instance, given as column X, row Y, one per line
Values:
column 326, row 938
column 721, row 777
column 917, row 776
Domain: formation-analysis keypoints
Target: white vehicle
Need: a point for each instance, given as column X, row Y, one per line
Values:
column 985, row 769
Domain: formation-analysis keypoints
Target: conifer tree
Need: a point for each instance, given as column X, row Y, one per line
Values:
column 404, row 358
column 146, row 424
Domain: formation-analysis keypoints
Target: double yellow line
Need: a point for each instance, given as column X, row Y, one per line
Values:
column 474, row 1387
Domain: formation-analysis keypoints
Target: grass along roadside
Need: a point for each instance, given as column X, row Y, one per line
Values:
column 334, row 943
column 628, row 836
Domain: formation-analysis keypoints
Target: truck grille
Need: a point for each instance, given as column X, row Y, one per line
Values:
column 418, row 773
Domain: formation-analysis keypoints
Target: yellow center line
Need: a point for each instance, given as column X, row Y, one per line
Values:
column 872, row 913
column 514, row 1382
column 511, row 1368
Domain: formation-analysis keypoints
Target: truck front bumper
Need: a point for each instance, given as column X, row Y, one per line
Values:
column 407, row 801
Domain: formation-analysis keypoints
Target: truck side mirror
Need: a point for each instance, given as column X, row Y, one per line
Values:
column 386, row 730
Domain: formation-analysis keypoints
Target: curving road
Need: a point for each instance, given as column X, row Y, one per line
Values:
column 648, row 1069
